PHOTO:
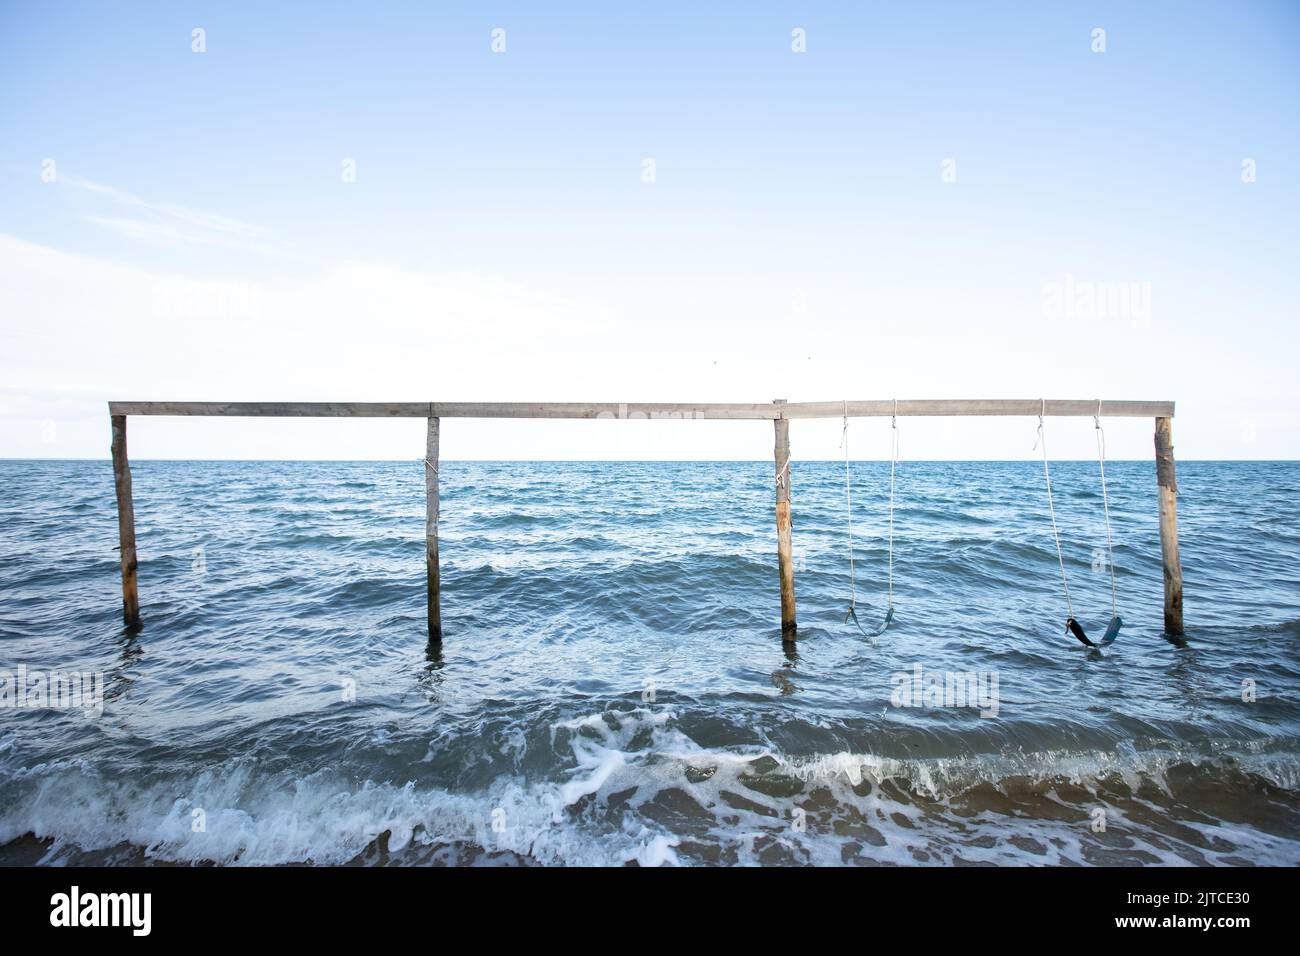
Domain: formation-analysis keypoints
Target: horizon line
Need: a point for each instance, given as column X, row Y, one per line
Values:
column 134, row 459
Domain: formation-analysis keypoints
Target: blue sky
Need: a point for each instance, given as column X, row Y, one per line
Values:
column 500, row 240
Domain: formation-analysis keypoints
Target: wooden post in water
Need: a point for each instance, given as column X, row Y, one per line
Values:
column 125, row 523
column 785, row 560
column 431, row 531
column 1168, row 490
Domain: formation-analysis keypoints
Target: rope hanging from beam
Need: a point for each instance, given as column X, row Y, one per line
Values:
column 852, row 613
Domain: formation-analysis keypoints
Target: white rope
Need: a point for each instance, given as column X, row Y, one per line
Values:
column 1060, row 557
column 893, row 464
column 848, row 499
column 1105, row 501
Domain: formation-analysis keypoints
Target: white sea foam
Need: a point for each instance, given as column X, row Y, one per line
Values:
column 638, row 789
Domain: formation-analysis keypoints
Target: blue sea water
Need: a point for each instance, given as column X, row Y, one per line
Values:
column 612, row 687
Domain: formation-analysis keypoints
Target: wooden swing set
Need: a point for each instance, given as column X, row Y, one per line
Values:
column 780, row 412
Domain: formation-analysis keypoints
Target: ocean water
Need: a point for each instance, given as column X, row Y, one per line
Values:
column 612, row 688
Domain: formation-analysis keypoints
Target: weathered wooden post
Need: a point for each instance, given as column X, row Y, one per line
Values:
column 125, row 523
column 1168, row 489
column 431, row 531
column 785, row 561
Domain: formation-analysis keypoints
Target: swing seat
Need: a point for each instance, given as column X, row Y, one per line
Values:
column 1112, row 631
column 1074, row 627
column 853, row 616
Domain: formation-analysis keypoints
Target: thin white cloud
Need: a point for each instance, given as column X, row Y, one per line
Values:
column 174, row 225
column 172, row 235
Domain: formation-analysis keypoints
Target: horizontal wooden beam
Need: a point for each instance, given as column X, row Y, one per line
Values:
column 276, row 409
column 945, row 407
column 980, row 407
column 609, row 410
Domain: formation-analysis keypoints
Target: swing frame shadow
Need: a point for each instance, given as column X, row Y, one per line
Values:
column 779, row 411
